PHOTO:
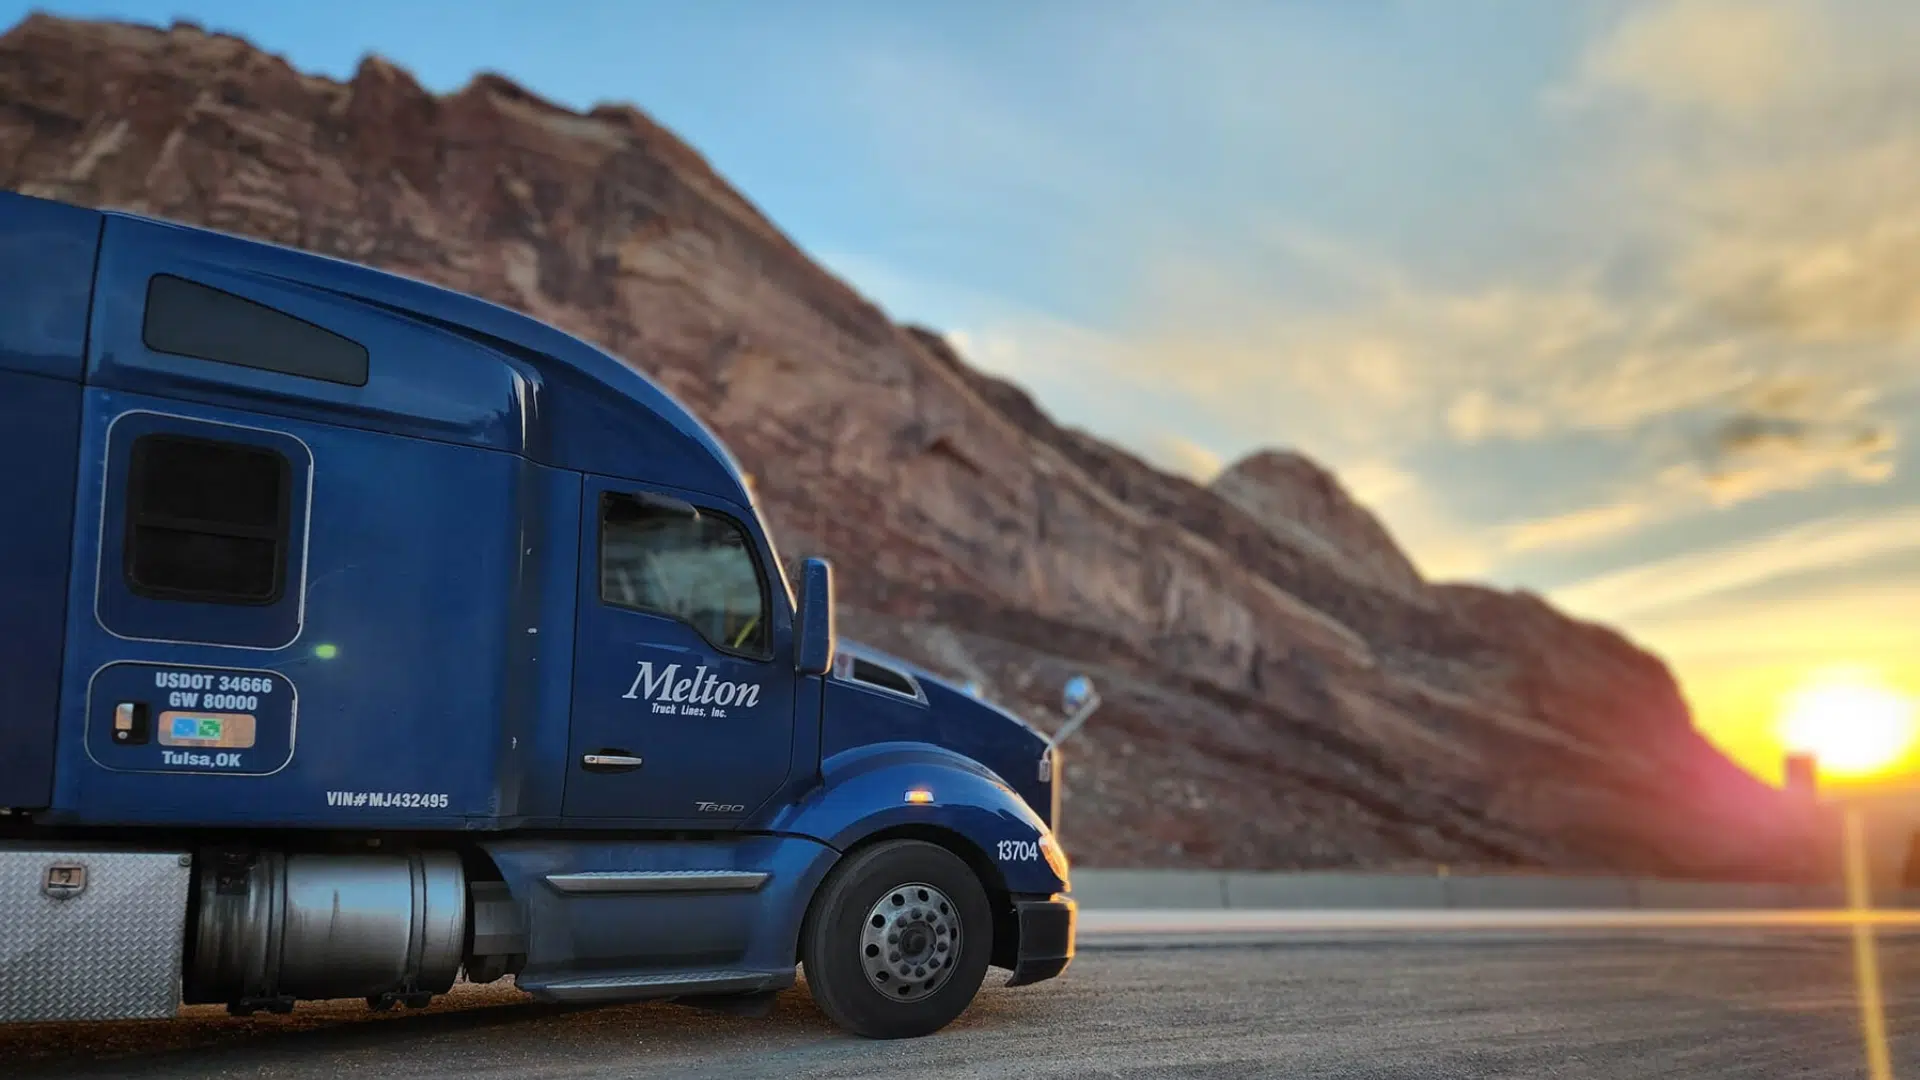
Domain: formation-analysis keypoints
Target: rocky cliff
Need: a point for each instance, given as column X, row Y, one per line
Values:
column 1283, row 688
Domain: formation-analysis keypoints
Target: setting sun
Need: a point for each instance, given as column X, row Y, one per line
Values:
column 1853, row 724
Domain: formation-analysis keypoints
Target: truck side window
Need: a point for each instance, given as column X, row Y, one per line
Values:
column 700, row 570
column 206, row 521
column 187, row 318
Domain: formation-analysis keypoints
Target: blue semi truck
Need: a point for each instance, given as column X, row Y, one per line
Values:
column 358, row 635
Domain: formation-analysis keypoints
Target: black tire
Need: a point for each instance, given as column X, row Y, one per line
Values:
column 834, row 948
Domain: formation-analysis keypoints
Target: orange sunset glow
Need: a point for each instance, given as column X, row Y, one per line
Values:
column 1861, row 724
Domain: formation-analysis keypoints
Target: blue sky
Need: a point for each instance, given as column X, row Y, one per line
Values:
column 988, row 147
column 1613, row 301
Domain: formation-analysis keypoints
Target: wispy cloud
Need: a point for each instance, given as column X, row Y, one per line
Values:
column 1741, row 661
column 1728, row 58
column 1576, row 527
column 1729, row 318
column 1662, row 586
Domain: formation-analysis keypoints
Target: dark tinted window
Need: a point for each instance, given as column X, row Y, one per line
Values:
column 189, row 319
column 206, row 521
column 698, row 568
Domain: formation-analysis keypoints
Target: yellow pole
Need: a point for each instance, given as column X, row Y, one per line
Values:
column 1866, row 966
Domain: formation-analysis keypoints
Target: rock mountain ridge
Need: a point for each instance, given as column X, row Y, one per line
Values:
column 1283, row 688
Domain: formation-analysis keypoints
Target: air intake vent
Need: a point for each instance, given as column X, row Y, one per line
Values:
column 885, row 678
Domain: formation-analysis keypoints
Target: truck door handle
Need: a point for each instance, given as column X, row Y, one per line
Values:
column 609, row 761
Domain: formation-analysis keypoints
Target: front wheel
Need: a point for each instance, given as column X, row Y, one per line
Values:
column 898, row 941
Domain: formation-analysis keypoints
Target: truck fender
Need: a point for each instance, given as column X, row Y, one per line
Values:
column 864, row 794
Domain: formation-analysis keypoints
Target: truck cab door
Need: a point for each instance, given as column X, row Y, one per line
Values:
column 683, row 699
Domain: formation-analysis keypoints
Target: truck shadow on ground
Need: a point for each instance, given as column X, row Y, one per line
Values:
column 486, row 1027
column 203, row 1036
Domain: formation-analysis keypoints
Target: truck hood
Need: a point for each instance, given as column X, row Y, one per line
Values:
column 968, row 724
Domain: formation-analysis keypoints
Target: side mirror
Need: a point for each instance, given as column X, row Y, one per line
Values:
column 1075, row 695
column 1078, row 699
column 814, row 630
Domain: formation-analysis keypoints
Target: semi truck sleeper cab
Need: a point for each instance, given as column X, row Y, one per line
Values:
column 359, row 635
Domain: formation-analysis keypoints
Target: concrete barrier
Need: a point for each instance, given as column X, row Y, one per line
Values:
column 1835, row 896
column 1323, row 890
column 1696, row 895
column 1523, row 891
column 1112, row 890
column 1136, row 889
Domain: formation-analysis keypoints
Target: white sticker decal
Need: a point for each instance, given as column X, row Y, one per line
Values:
column 408, row 800
column 703, row 694
column 204, row 761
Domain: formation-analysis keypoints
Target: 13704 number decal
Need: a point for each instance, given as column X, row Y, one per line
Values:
column 1019, row 851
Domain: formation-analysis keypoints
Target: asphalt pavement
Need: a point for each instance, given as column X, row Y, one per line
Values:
column 1362, row 1004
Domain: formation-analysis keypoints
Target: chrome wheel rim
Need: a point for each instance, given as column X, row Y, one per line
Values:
column 910, row 941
